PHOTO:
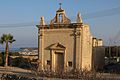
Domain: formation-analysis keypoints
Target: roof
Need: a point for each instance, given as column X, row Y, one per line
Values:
column 60, row 10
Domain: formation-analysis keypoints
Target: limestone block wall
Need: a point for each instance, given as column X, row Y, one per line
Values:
column 64, row 37
column 77, row 43
column 86, row 48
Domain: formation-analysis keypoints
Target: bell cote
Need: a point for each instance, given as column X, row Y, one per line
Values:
column 60, row 17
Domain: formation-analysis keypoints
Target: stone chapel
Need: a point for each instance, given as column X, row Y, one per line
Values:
column 63, row 45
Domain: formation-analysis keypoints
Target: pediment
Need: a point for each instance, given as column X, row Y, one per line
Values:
column 57, row 46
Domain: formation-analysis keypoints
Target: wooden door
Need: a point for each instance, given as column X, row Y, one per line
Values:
column 59, row 61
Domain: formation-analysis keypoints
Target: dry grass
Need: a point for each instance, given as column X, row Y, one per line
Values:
column 78, row 74
column 73, row 75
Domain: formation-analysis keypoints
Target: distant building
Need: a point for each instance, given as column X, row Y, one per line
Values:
column 63, row 45
column 98, row 52
column 97, row 42
column 28, row 51
column 31, row 53
column 112, row 54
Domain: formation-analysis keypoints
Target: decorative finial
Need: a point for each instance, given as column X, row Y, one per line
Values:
column 42, row 21
column 79, row 19
column 60, row 5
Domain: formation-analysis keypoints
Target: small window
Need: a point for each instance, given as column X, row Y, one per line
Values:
column 48, row 62
column 60, row 18
column 69, row 63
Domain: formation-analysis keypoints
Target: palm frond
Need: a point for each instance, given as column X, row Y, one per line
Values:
column 10, row 37
column 6, row 38
column 11, row 41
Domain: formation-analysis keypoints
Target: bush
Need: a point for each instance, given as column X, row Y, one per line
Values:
column 14, row 54
column 1, row 59
column 21, row 62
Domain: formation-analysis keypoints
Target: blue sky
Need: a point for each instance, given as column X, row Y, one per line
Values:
column 19, row 12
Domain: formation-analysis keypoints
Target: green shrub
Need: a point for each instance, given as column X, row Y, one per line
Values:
column 21, row 62
column 1, row 59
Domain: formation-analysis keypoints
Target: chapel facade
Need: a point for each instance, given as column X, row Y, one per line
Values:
column 63, row 45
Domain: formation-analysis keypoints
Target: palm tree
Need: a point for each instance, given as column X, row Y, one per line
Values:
column 6, row 39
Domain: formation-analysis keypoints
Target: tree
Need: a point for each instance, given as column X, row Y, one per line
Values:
column 6, row 39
